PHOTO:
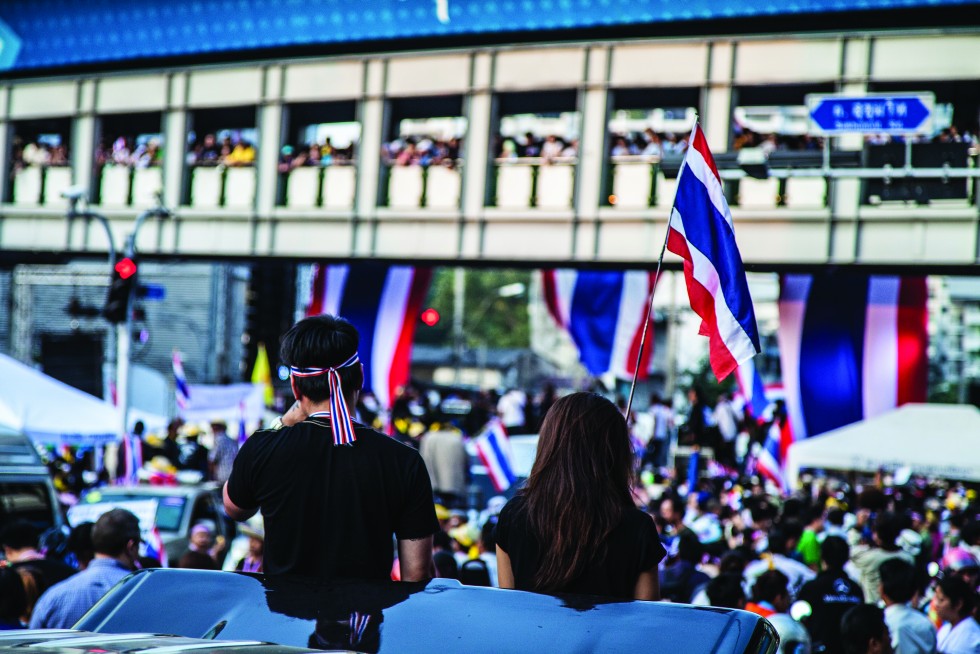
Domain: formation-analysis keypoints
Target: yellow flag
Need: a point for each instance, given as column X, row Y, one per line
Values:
column 262, row 374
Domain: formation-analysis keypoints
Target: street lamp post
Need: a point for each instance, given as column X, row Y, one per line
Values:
column 74, row 195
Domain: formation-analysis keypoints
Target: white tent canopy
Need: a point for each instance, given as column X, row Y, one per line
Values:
column 50, row 412
column 936, row 440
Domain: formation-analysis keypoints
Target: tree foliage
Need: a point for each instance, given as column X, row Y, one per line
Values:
column 488, row 319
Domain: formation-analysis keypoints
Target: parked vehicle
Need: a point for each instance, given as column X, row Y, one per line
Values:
column 177, row 510
column 439, row 616
column 26, row 491
column 64, row 641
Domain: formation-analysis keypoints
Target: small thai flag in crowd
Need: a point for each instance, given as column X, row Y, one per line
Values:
column 132, row 459
column 702, row 233
column 751, row 388
column 493, row 448
column 772, row 458
column 154, row 547
column 181, row 389
column 242, row 429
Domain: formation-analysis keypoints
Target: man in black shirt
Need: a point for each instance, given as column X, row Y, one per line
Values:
column 830, row 596
column 333, row 492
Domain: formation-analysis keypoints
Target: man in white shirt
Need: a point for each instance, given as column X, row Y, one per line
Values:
column 511, row 409
column 954, row 602
column 911, row 631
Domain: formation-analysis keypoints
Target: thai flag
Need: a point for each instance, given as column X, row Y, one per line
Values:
column 242, row 428
column 752, row 389
column 181, row 389
column 701, row 232
column 384, row 303
column 154, row 547
column 772, row 458
column 132, row 460
column 493, row 448
column 852, row 346
column 604, row 313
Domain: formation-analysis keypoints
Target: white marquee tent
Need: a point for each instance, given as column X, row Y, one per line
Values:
column 938, row 440
column 51, row 412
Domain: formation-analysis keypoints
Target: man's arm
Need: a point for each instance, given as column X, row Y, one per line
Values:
column 234, row 511
column 415, row 559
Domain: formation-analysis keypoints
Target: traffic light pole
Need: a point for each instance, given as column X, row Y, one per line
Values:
column 124, row 330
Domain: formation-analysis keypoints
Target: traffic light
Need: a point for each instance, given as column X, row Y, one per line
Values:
column 430, row 317
column 120, row 290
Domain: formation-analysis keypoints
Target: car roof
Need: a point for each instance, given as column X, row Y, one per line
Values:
column 67, row 641
column 442, row 616
column 156, row 491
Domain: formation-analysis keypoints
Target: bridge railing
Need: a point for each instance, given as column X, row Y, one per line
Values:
column 326, row 187
column 534, row 183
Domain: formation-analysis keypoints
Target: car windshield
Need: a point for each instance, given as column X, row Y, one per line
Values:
column 170, row 508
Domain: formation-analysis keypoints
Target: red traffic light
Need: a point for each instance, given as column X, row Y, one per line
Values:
column 126, row 268
column 430, row 317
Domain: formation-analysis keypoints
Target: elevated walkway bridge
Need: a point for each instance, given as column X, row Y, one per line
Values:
column 892, row 205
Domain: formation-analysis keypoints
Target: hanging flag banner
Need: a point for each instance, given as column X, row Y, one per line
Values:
column 852, row 346
column 603, row 312
column 383, row 302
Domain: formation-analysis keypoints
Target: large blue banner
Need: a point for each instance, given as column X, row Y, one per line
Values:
column 50, row 34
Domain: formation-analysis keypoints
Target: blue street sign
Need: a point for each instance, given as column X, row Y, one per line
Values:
column 908, row 113
column 152, row 292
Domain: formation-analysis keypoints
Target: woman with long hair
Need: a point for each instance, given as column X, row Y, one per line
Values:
column 574, row 527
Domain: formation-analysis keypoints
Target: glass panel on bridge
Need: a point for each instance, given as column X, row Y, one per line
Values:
column 422, row 153
column 221, row 156
column 40, row 164
column 128, row 160
column 647, row 127
column 317, row 162
column 536, row 150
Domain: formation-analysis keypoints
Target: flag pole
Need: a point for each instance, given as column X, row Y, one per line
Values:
column 656, row 278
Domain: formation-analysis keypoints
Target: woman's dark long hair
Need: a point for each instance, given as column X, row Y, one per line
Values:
column 579, row 486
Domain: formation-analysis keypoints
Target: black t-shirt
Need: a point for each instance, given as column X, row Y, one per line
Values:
column 330, row 511
column 632, row 547
column 830, row 595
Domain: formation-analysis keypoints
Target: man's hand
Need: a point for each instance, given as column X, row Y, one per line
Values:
column 295, row 415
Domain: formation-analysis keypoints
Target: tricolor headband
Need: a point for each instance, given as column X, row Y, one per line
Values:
column 340, row 420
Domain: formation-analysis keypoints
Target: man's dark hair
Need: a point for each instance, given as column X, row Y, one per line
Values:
column 887, row 528
column 19, row 535
column 836, row 517
column 897, row 579
column 322, row 342
column 778, row 538
column 834, row 552
column 859, row 625
column 689, row 548
column 80, row 541
column 958, row 591
column 488, row 535
column 726, row 591
column 769, row 586
column 113, row 530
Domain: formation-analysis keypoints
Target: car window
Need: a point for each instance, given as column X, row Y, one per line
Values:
column 26, row 501
column 170, row 508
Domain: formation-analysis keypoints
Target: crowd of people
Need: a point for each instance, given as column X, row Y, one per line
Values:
column 550, row 148
column 126, row 151
column 422, row 151
column 649, row 143
column 874, row 564
column 229, row 151
column 37, row 153
column 315, row 154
